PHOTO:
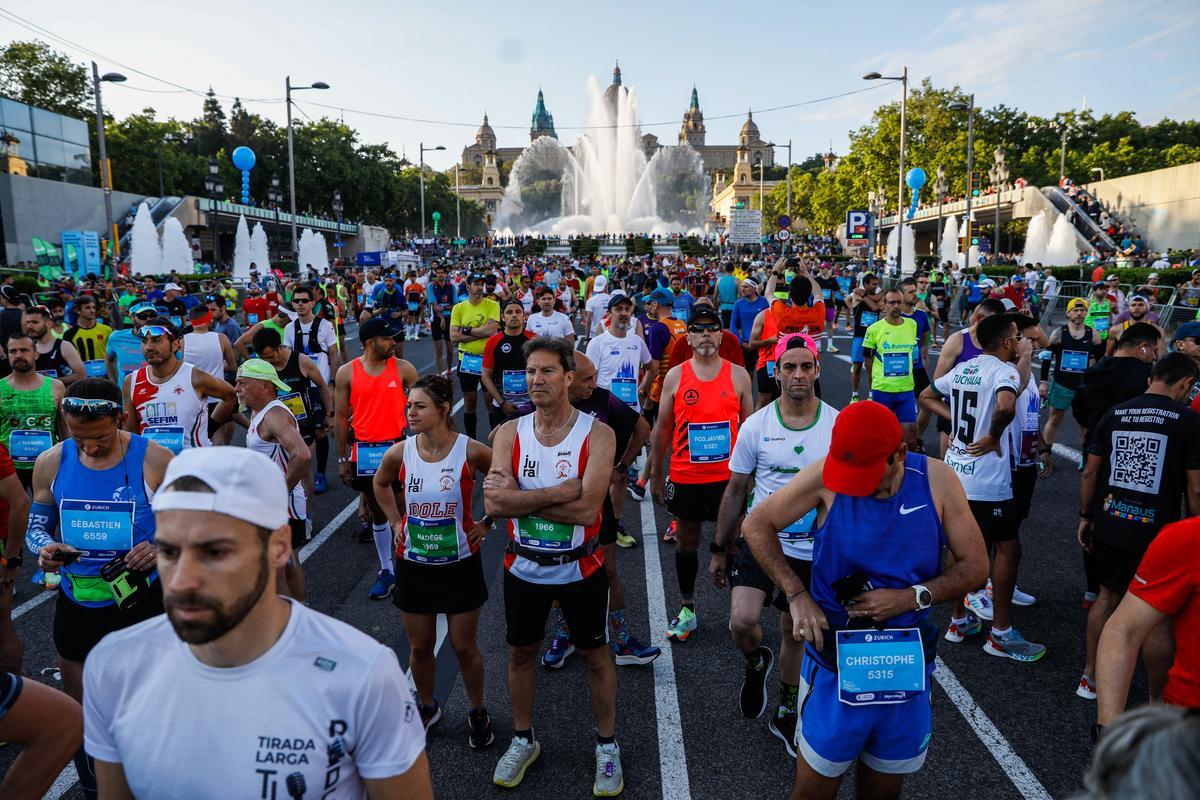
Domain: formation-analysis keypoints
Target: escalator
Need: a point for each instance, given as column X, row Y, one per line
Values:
column 1088, row 228
column 160, row 209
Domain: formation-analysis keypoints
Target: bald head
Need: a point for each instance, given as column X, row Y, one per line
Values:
column 584, row 382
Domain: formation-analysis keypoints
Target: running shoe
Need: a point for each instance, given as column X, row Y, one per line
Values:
column 631, row 652
column 480, row 726
column 610, row 780
column 831, row 349
column 1089, row 599
column 624, row 539
column 1013, row 645
column 669, row 536
column 365, row 534
column 784, row 728
column 854, row 398
column 637, row 490
column 957, row 632
column 320, row 486
column 682, row 626
column 980, row 604
column 510, row 769
column 1023, row 599
column 1087, row 688
column 753, row 697
column 385, row 581
column 431, row 715
column 556, row 654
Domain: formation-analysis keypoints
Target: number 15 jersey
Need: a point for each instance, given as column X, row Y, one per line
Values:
column 972, row 387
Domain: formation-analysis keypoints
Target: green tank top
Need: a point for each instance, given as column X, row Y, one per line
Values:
column 1099, row 318
column 27, row 421
column 275, row 326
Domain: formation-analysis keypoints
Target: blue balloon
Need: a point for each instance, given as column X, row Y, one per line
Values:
column 243, row 158
column 915, row 177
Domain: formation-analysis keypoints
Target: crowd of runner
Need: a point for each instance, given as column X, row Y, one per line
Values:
column 692, row 385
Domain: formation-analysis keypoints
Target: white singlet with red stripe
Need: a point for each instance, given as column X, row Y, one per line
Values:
column 537, row 466
column 437, row 505
column 170, row 413
column 297, row 502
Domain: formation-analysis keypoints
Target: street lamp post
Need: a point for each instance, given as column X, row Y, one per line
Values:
column 969, row 107
column 215, row 188
column 457, row 206
column 1098, row 169
column 275, row 197
column 998, row 174
column 338, row 207
column 421, row 171
column 165, row 138
column 903, row 78
column 288, row 89
column 940, row 187
column 105, row 173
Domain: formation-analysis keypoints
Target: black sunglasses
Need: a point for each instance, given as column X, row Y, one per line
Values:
column 704, row 327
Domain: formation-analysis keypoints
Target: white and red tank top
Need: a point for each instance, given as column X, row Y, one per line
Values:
column 437, row 505
column 170, row 413
column 297, row 502
column 537, row 466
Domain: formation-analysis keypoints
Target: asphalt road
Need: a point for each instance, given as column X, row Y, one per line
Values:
column 1001, row 729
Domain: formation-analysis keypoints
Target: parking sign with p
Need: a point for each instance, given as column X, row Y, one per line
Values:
column 858, row 225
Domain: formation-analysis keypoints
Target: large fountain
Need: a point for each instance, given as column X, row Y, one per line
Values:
column 605, row 183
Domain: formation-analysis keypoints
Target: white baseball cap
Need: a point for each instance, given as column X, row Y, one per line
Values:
column 172, row 287
column 600, row 284
column 246, row 485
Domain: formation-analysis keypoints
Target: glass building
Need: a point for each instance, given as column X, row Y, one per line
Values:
column 43, row 144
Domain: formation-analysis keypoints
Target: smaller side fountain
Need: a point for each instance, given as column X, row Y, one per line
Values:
column 176, row 251
column 146, row 253
column 241, row 250
column 948, row 250
column 259, row 251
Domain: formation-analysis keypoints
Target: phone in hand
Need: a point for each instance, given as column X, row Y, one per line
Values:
column 66, row 556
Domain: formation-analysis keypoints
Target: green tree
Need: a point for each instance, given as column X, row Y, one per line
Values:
column 33, row 73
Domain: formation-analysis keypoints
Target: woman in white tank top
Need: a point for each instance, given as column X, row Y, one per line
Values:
column 438, row 566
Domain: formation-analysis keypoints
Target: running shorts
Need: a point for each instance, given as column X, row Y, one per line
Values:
column 891, row 738
column 584, row 605
column 902, row 404
column 856, row 350
column 1059, row 397
column 299, row 534
column 943, row 425
column 831, row 312
column 454, row 588
column 695, row 502
column 77, row 629
column 1024, row 479
column 995, row 520
column 744, row 570
column 920, row 383
column 1115, row 566
column 468, row 383
column 10, row 689
column 440, row 327
column 766, row 383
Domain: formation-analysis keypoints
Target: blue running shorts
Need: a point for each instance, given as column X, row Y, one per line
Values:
column 902, row 404
column 891, row 738
column 856, row 350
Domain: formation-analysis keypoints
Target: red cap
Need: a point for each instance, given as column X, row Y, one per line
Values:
column 864, row 435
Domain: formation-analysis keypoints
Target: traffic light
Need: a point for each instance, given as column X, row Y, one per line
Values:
column 740, row 204
column 974, row 241
column 975, row 184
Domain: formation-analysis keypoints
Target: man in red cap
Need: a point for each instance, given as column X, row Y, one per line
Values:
column 883, row 516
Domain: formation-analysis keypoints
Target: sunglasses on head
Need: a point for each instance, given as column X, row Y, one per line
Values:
column 704, row 327
column 147, row 331
column 90, row 406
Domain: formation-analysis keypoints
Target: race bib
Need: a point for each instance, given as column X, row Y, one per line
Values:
column 49, row 373
column 544, row 534
column 708, row 442
column 880, row 667
column 96, row 368
column 177, row 321
column 680, row 314
column 413, row 306
column 170, row 438
column 251, row 319
column 471, row 364
column 1101, row 324
column 431, row 541
column 869, row 318
column 1074, row 361
column 102, row 529
column 828, row 294
column 368, row 456
column 515, row 384
column 896, row 365
column 295, row 404
column 770, row 368
column 626, row 390
column 801, row 529
column 25, row 445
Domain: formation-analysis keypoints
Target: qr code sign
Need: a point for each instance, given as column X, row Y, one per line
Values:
column 1137, row 460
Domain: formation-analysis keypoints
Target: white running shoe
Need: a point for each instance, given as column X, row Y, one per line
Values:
column 979, row 604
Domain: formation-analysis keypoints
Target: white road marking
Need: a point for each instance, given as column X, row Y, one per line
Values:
column 1069, row 453
column 671, row 756
column 1012, row 764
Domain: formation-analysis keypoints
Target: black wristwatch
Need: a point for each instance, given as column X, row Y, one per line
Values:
column 717, row 549
column 488, row 521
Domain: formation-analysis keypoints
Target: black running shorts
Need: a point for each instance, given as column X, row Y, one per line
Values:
column 995, row 520
column 584, row 605
column 694, row 502
column 454, row 588
column 1115, row 566
column 77, row 629
column 744, row 570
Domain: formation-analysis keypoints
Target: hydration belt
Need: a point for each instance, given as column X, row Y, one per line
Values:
column 545, row 559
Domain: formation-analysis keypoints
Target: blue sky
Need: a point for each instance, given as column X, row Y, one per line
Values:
column 448, row 61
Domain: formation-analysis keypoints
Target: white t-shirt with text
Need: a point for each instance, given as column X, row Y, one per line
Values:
column 972, row 387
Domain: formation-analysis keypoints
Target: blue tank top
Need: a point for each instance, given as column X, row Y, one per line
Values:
column 102, row 512
column 897, row 542
column 969, row 349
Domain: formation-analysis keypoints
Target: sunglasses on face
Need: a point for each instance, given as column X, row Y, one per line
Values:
column 146, row 331
column 704, row 327
column 91, row 406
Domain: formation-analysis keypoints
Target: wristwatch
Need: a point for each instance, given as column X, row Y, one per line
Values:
column 717, row 549
column 344, row 459
column 488, row 521
column 12, row 562
column 924, row 597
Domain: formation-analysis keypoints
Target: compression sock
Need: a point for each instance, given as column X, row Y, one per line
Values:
column 383, row 544
column 620, row 631
column 605, row 739
column 686, row 567
column 789, row 694
column 322, row 454
column 469, row 423
column 526, row 734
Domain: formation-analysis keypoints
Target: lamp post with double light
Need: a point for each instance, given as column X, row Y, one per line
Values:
column 288, row 89
column 998, row 174
column 275, row 197
column 940, row 187
column 903, row 79
column 105, row 172
column 424, row 150
column 215, row 188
